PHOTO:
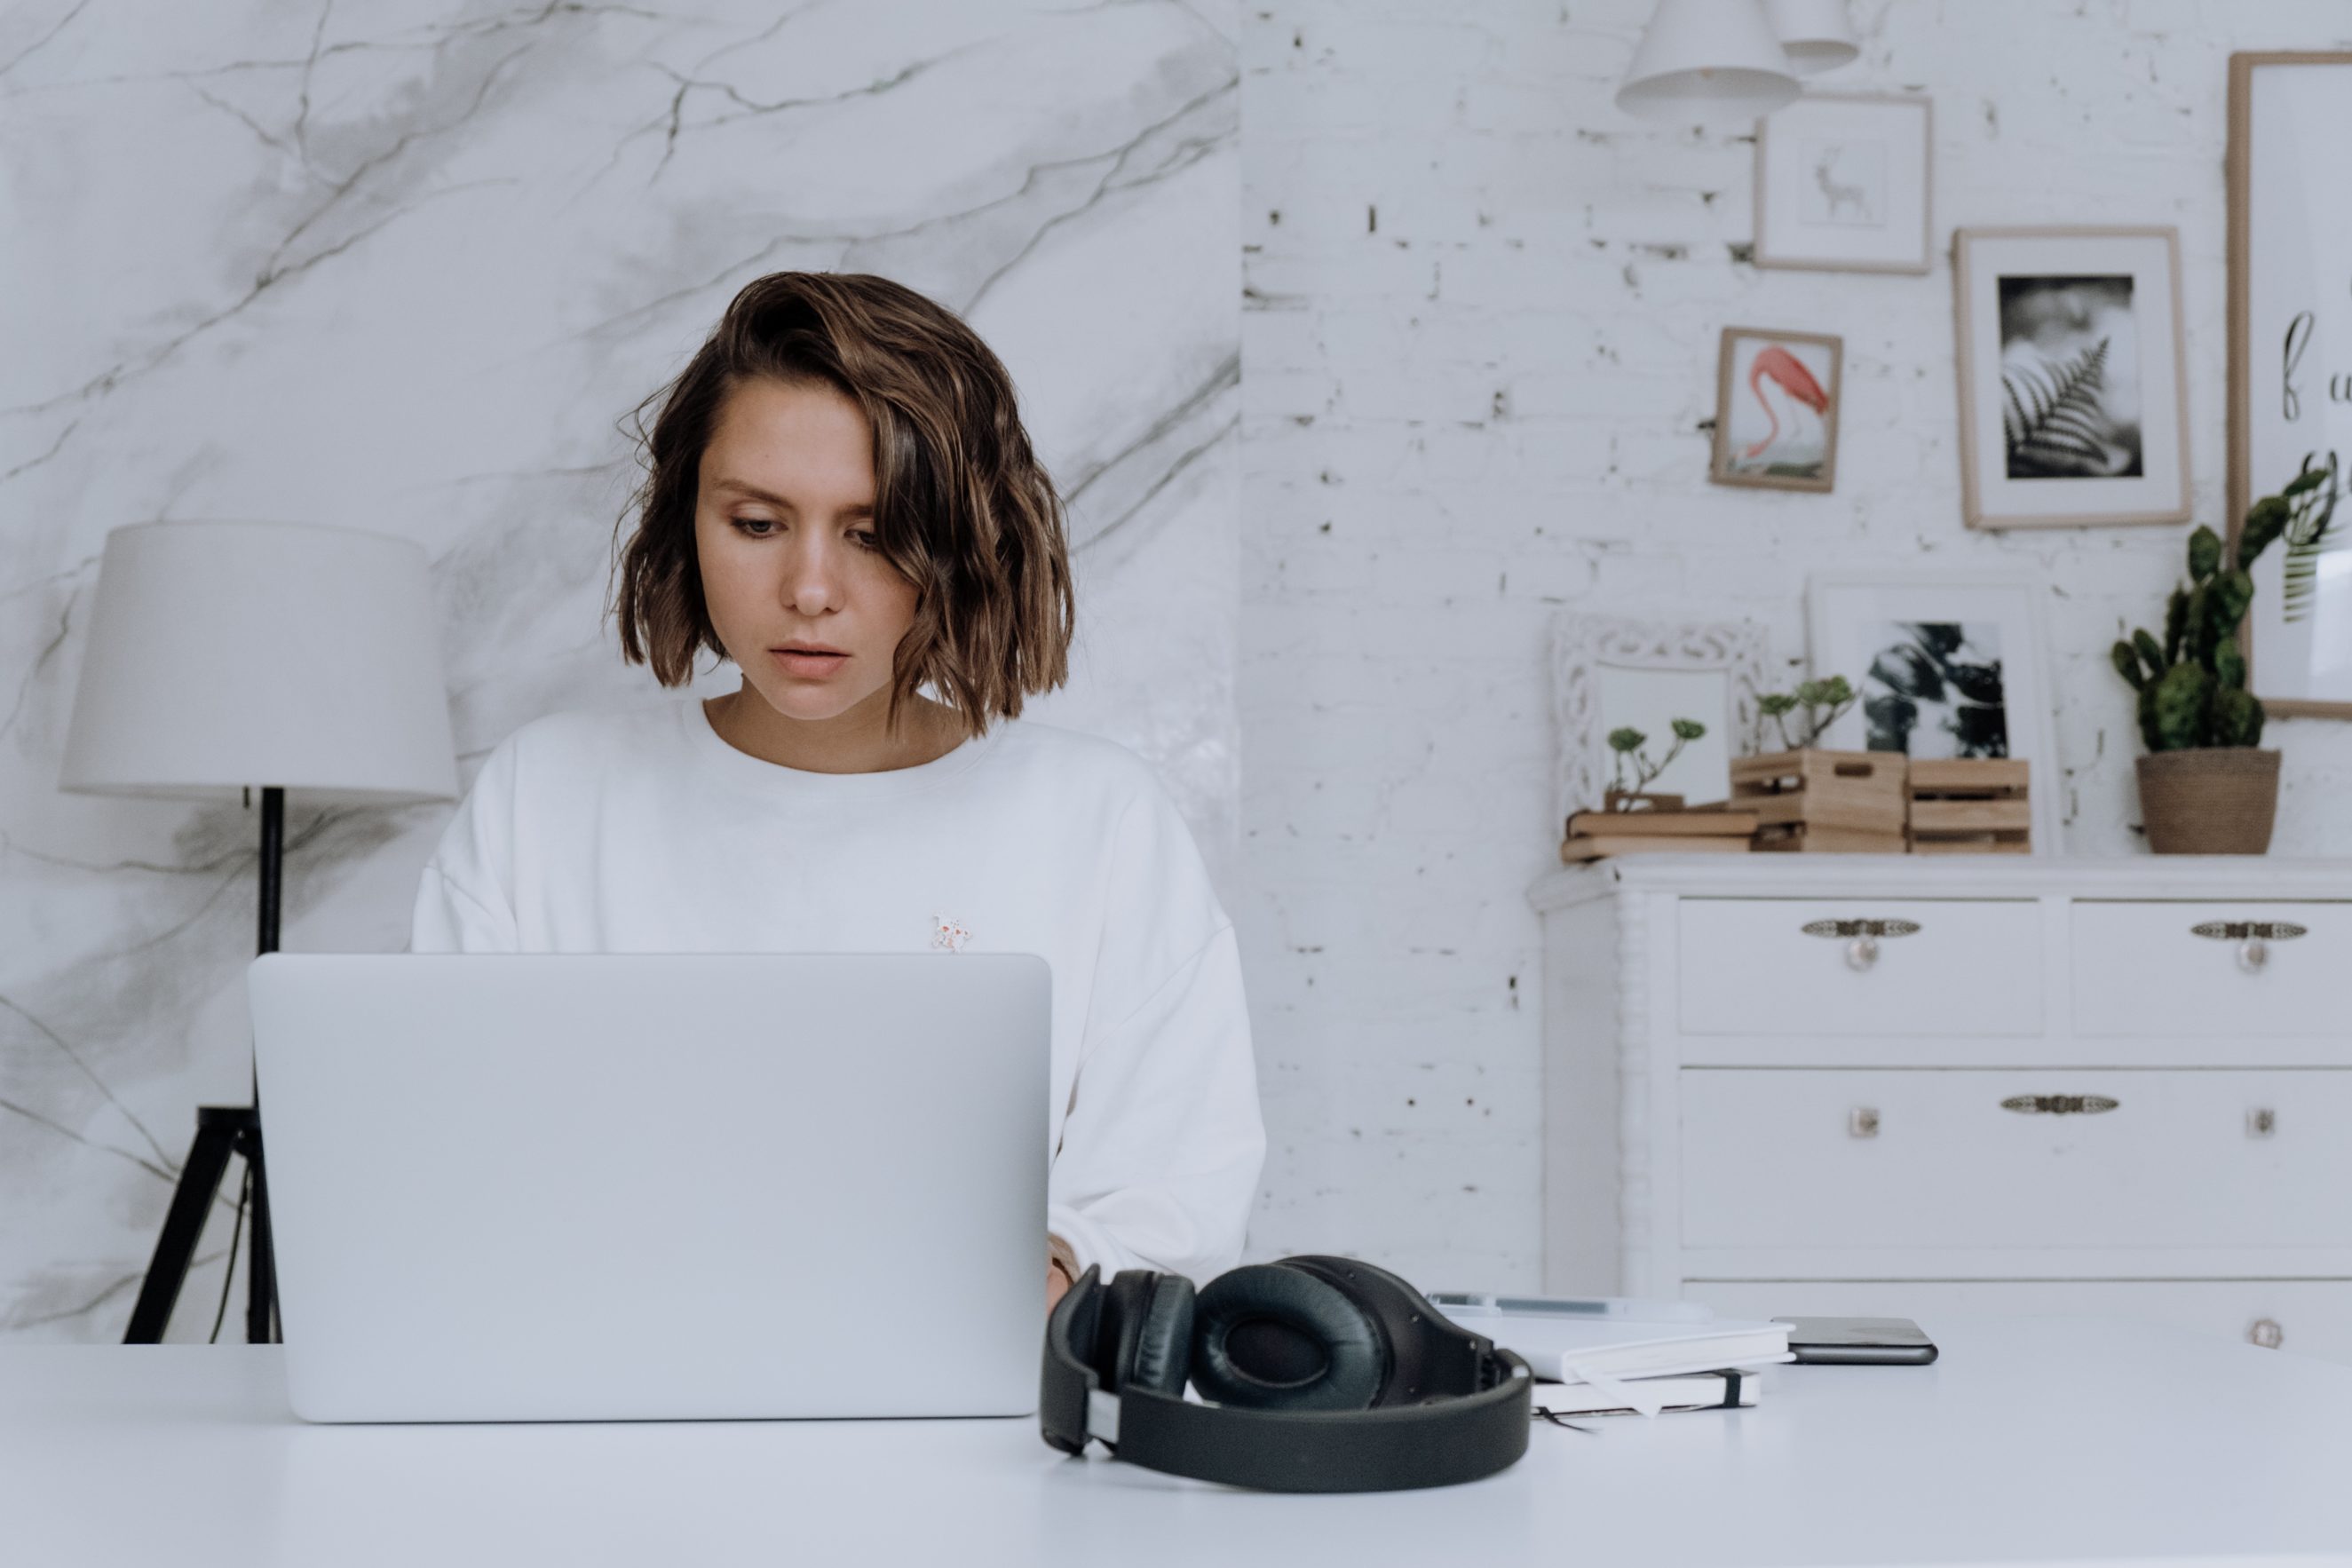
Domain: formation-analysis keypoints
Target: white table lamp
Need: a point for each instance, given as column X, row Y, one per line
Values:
column 227, row 656
column 1713, row 61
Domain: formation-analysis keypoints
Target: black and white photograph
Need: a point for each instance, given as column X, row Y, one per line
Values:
column 2072, row 404
column 1946, row 664
column 2069, row 378
column 1934, row 690
column 1842, row 184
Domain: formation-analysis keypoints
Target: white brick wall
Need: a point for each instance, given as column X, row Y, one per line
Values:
column 1478, row 346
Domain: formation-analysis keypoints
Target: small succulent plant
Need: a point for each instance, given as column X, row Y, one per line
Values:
column 1818, row 704
column 2193, row 682
column 1627, row 745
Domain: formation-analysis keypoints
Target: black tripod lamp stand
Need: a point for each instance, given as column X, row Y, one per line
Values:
column 223, row 656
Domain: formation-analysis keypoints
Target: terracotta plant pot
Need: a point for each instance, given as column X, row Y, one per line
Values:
column 2209, row 800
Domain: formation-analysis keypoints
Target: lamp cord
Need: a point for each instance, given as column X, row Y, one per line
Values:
column 228, row 1276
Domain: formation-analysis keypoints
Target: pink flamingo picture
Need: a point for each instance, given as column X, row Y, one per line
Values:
column 1793, row 378
column 1790, row 379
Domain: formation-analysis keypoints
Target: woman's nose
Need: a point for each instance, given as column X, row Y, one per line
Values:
column 811, row 581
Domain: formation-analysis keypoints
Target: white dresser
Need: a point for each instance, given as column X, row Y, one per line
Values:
column 1851, row 1084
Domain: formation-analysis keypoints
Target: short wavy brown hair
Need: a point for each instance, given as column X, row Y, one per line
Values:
column 963, row 509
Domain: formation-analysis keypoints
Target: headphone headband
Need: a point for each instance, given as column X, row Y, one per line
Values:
column 1472, row 1422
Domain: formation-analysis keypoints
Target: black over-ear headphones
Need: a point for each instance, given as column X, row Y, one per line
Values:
column 1324, row 1375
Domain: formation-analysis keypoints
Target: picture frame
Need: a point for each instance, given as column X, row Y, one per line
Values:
column 1612, row 670
column 1845, row 182
column 1776, row 410
column 1915, row 644
column 2073, row 392
column 2289, row 256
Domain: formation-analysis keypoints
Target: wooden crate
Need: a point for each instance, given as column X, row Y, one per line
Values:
column 1841, row 802
column 1971, row 806
column 1783, row 837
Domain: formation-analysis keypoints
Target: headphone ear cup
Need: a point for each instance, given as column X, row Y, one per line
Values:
column 1145, row 1333
column 1163, row 1339
column 1124, row 1302
column 1267, row 1336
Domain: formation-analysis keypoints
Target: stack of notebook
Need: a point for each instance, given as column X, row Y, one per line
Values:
column 1600, row 1355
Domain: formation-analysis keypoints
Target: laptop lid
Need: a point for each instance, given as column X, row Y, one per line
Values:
column 596, row 1186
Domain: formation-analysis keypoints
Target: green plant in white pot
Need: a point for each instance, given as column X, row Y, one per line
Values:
column 2206, row 787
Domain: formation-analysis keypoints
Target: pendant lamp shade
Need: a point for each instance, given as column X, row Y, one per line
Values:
column 228, row 654
column 1715, row 62
column 1817, row 35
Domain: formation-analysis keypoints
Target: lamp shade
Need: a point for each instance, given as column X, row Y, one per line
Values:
column 229, row 655
column 1716, row 61
column 1817, row 35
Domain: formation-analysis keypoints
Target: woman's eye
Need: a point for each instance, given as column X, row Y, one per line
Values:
column 761, row 528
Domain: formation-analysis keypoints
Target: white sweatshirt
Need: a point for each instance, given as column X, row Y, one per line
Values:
column 641, row 830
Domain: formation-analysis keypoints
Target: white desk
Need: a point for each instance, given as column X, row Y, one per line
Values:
column 2033, row 1439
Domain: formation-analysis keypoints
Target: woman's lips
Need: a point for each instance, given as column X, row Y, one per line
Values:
column 808, row 664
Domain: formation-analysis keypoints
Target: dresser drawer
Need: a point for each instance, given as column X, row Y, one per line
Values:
column 1936, row 1159
column 2211, row 968
column 1869, row 967
column 2310, row 1317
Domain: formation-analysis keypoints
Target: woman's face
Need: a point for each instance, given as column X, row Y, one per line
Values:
column 783, row 520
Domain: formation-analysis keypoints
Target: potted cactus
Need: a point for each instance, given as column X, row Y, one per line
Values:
column 2206, row 787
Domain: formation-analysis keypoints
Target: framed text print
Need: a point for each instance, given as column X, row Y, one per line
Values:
column 2291, row 364
column 2073, row 408
column 1841, row 184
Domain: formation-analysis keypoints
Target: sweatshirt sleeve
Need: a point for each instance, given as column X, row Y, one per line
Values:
column 462, row 904
column 1162, row 1144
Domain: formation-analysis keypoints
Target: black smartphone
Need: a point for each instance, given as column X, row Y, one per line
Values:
column 1859, row 1342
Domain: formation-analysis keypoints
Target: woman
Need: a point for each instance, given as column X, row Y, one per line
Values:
column 840, row 498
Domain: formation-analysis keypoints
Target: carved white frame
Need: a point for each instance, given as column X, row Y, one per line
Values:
column 1581, row 643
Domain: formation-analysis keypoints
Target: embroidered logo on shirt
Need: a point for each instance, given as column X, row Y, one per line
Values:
column 949, row 934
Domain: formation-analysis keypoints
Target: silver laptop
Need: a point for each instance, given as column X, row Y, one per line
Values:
column 573, row 1186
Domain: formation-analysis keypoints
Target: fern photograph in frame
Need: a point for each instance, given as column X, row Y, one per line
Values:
column 2073, row 410
column 2290, row 368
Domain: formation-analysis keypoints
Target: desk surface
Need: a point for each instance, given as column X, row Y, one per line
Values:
column 2032, row 1440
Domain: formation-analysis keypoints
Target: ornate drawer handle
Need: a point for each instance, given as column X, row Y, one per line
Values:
column 2243, row 930
column 1862, row 927
column 2266, row 1334
column 1861, row 937
column 2058, row 1104
column 2252, row 938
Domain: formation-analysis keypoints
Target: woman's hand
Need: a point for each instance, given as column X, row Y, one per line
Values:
column 1057, row 1284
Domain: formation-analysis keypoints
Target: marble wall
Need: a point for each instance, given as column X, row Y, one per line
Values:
column 407, row 266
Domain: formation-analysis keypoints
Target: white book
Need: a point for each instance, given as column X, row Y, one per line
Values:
column 1463, row 1305
column 1707, row 1391
column 1586, row 1350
